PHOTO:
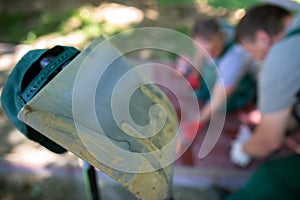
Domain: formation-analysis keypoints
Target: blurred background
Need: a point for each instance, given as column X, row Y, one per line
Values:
column 27, row 170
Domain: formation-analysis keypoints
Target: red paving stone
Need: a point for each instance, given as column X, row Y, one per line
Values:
column 219, row 155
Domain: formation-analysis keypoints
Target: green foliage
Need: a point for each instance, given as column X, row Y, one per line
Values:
column 228, row 4
column 27, row 27
column 48, row 22
column 231, row 4
column 16, row 27
column 12, row 29
column 82, row 20
column 175, row 2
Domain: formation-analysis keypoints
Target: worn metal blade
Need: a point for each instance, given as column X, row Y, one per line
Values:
column 104, row 111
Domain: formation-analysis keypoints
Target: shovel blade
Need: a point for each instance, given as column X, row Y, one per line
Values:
column 104, row 111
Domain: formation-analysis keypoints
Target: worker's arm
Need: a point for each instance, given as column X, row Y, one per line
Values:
column 233, row 66
column 269, row 135
column 218, row 100
column 293, row 142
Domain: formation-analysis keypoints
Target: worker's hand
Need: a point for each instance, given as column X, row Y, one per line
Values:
column 237, row 155
column 244, row 134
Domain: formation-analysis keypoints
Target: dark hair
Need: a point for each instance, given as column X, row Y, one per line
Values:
column 206, row 28
column 269, row 18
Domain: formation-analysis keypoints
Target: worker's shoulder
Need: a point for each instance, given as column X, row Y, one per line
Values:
column 236, row 52
column 286, row 51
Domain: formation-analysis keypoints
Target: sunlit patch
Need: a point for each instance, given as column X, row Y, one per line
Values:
column 152, row 14
column 6, row 61
column 238, row 14
column 33, row 156
column 73, row 39
column 118, row 14
column 72, row 23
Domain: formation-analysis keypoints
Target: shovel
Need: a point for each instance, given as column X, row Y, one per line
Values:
column 103, row 110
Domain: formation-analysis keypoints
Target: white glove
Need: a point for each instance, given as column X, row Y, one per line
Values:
column 244, row 134
column 238, row 156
